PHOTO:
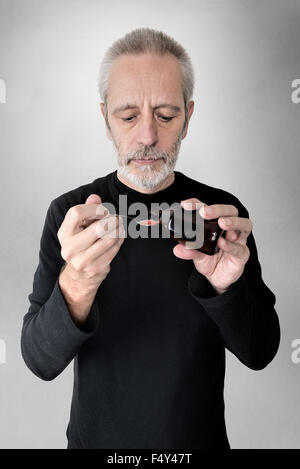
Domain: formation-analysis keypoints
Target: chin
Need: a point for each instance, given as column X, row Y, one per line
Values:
column 145, row 176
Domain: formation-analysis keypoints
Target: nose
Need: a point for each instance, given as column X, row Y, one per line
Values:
column 147, row 131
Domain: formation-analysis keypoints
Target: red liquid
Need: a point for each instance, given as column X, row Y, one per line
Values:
column 148, row 222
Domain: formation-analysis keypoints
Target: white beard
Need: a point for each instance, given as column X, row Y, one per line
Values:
column 150, row 177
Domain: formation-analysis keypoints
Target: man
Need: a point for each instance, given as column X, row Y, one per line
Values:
column 145, row 319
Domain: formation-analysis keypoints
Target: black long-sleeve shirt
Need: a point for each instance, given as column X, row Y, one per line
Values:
column 149, row 362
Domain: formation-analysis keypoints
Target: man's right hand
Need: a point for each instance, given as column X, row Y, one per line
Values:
column 90, row 238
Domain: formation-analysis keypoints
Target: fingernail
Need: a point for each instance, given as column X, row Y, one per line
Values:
column 205, row 211
column 100, row 210
column 227, row 221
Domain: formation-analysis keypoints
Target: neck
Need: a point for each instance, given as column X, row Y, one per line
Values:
column 163, row 185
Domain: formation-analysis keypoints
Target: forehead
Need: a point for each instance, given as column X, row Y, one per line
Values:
column 136, row 77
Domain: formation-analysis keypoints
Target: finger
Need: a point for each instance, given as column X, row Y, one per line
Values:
column 108, row 255
column 191, row 204
column 186, row 253
column 78, row 216
column 235, row 223
column 232, row 235
column 110, row 226
column 233, row 248
column 243, row 225
column 104, row 246
column 93, row 199
column 105, row 243
column 218, row 210
column 85, row 238
column 243, row 238
column 101, row 212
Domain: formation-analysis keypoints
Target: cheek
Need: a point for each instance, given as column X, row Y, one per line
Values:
column 121, row 139
column 167, row 137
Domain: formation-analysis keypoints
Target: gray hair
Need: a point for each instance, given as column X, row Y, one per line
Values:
column 140, row 41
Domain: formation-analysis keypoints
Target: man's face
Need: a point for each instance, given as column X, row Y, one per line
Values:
column 146, row 130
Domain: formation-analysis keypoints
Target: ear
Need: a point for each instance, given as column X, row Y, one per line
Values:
column 190, row 112
column 102, row 107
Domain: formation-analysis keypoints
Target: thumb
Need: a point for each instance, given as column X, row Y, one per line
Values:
column 93, row 199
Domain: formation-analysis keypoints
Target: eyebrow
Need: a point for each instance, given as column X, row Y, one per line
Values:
column 132, row 106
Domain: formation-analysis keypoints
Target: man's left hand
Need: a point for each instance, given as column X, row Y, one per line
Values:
column 226, row 266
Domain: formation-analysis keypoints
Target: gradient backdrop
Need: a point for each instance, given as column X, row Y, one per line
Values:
column 244, row 137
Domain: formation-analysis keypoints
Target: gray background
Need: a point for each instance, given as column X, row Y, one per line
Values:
column 243, row 136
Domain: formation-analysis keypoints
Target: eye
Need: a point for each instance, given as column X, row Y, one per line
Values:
column 166, row 119
column 127, row 119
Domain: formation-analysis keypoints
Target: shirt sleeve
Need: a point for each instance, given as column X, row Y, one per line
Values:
column 245, row 313
column 50, row 339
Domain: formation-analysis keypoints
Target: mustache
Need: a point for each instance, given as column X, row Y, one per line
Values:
column 146, row 154
column 148, row 158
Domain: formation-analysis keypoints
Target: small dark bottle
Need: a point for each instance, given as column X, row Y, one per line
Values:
column 172, row 221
